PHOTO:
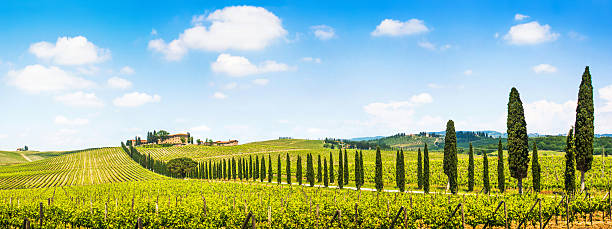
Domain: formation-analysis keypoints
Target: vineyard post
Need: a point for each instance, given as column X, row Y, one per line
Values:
column 106, row 210
column 139, row 223
column 205, row 210
column 132, row 208
column 318, row 215
column 40, row 215
column 405, row 218
column 356, row 216
column 462, row 217
column 26, row 223
column 270, row 215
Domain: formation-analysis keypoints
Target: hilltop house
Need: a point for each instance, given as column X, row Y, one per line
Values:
column 133, row 142
column 174, row 139
column 221, row 143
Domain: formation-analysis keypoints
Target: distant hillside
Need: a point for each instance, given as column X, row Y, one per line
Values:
column 366, row 138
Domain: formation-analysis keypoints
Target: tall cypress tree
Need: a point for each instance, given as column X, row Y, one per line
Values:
column 256, row 171
column 379, row 171
column 471, row 169
column 262, row 169
column 233, row 168
column 501, row 179
column 584, row 127
column 518, row 152
column 298, row 170
column 450, row 156
column 325, row 177
column 361, row 170
column 357, row 172
column 485, row 172
column 250, row 167
column 402, row 172
column 224, row 169
column 270, row 173
column 240, row 168
column 419, row 169
column 310, row 170
column 397, row 165
column 331, row 168
column 319, row 170
column 278, row 170
column 288, row 169
column 535, row 169
column 425, row 169
column 340, row 170
column 570, row 170
column 346, row 171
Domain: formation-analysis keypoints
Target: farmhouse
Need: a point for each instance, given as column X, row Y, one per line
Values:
column 174, row 139
column 221, row 143
column 132, row 142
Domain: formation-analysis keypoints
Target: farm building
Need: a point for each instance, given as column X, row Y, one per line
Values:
column 175, row 139
column 221, row 143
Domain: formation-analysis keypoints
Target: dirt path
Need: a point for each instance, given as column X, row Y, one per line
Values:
column 26, row 157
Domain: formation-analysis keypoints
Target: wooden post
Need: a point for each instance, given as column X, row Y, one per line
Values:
column 405, row 218
column 205, row 208
column 318, row 221
column 356, row 215
column 106, row 210
column 26, row 223
column 462, row 218
column 40, row 215
column 270, row 215
column 132, row 209
column 139, row 223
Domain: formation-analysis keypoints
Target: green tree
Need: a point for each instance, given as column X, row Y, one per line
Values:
column 331, row 168
column 419, row 169
column 471, row 169
column 501, row 179
column 340, row 170
column 262, row 169
column 298, row 170
column 278, row 169
column 250, row 167
column 233, row 168
column 325, row 177
column 584, row 127
column 402, row 172
column 425, row 169
column 288, row 169
column 345, row 170
column 310, row 170
column 270, row 173
column 535, row 169
column 450, row 156
column 256, row 171
column 180, row 167
column 379, row 171
column 357, row 172
column 485, row 172
column 361, row 170
column 518, row 152
column 570, row 170
column 319, row 170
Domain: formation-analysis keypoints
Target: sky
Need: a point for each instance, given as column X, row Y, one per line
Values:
column 79, row 74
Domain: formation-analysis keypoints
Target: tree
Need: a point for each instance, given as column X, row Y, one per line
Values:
column 250, row 167
column 535, row 169
column 401, row 183
column 584, row 127
column 310, row 170
column 181, row 166
column 450, row 156
column 331, row 168
column 419, row 169
column 288, row 169
column 362, row 175
column 485, row 173
column 345, row 171
column 223, row 169
column 25, row 148
column 240, row 168
column 278, row 169
column 233, row 168
column 379, row 171
column 518, row 152
column 357, row 172
column 425, row 169
column 262, row 169
column 570, row 170
column 270, row 173
column 319, row 168
column 340, row 170
column 256, row 171
column 501, row 179
column 298, row 170
column 325, row 177
column 471, row 169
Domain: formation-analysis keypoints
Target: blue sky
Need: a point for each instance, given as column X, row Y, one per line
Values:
column 82, row 74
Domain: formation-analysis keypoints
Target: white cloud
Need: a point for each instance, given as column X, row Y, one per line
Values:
column 390, row 27
column 397, row 113
column 235, row 28
column 606, row 94
column 62, row 120
column 544, row 68
column 520, row 17
column 530, row 34
column 119, row 83
column 201, row 128
column 38, row 78
column 422, row 98
column 135, row 99
column 468, row 72
column 219, row 95
column 261, row 82
column 127, row 70
column 2, row 136
column 80, row 99
column 431, row 46
column 238, row 66
column 548, row 117
column 576, row 36
column 70, row 51
column 230, row 86
column 311, row 59
column 323, row 32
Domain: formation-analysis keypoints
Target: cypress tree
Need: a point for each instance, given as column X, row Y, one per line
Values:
column 331, row 168
column 535, row 169
column 402, row 172
column 419, row 169
column 310, row 170
column 346, row 171
column 233, row 168
column 256, row 169
column 250, row 167
column 262, row 169
column 357, row 172
column 361, row 170
column 485, row 172
column 425, row 170
column 278, row 169
column 450, row 156
column 471, row 169
column 340, row 170
column 501, row 179
column 379, row 171
column 325, row 177
column 319, row 170
column 223, row 169
column 518, row 152
column 298, row 170
column 584, row 127
column 288, row 169
column 570, row 170
column 397, row 165
column 270, row 173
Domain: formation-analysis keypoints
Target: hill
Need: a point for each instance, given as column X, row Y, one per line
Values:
column 16, row 157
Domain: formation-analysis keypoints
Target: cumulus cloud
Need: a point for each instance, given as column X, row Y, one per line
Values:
column 261, row 82
column 80, row 99
column 544, row 68
column 530, row 33
column 547, row 117
column 135, row 99
column 219, row 95
column 398, row 114
column 606, row 94
column 323, row 32
column 238, row 66
column 70, row 51
column 119, row 83
column 127, row 70
column 311, row 59
column 200, row 128
column 231, row 28
column 38, row 78
column 62, row 120
column 520, row 17
column 395, row 28
column 431, row 46
column 230, row 86
column 576, row 36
